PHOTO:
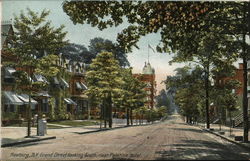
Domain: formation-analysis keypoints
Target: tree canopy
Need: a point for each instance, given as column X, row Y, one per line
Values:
column 35, row 36
column 81, row 53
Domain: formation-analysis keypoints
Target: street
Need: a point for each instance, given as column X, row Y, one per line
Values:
column 168, row 140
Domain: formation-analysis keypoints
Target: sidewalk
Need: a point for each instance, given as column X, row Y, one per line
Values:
column 16, row 135
column 226, row 133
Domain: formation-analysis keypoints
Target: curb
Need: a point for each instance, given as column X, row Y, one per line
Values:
column 225, row 138
column 115, row 128
column 229, row 140
column 26, row 141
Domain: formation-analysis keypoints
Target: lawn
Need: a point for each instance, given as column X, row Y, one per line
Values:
column 74, row 123
column 53, row 127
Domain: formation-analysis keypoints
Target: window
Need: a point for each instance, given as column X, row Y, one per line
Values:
column 68, row 107
column 248, row 78
column 45, row 107
column 12, row 108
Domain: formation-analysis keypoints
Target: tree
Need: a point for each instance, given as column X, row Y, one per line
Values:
column 190, row 93
column 33, row 43
column 98, row 45
column 162, row 99
column 77, row 52
column 132, row 95
column 174, row 20
column 104, row 82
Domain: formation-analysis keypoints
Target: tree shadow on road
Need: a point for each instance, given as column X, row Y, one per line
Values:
column 189, row 130
column 201, row 150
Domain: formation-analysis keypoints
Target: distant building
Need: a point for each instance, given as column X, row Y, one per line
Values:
column 148, row 77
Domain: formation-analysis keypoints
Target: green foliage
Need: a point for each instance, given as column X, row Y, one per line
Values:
column 162, row 99
column 163, row 111
column 103, row 76
column 190, row 91
column 133, row 94
column 52, row 106
column 98, row 45
column 223, row 96
column 104, row 81
column 47, row 66
column 33, row 35
column 9, row 115
column 174, row 20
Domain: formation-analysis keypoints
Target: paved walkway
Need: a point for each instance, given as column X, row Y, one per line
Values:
column 227, row 132
column 63, row 126
column 17, row 134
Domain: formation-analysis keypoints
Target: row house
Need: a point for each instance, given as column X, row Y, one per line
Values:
column 77, row 84
column 16, row 98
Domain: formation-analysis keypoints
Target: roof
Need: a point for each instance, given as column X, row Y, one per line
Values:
column 147, row 69
column 5, row 31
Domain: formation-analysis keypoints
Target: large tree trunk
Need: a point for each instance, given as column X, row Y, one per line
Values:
column 29, row 121
column 131, row 116
column 110, row 110
column 245, row 99
column 207, row 96
column 104, row 113
column 245, row 52
column 127, row 110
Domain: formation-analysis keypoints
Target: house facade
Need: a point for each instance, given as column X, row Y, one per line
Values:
column 63, row 98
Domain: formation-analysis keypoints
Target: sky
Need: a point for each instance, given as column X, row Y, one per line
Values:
column 82, row 34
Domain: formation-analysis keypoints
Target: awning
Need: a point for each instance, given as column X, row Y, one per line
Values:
column 64, row 83
column 12, row 98
column 84, row 87
column 80, row 85
column 69, row 101
column 40, row 78
column 25, row 99
column 43, row 94
column 9, row 72
column 56, row 81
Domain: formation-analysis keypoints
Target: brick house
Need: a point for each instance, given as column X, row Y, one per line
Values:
column 148, row 77
column 72, row 88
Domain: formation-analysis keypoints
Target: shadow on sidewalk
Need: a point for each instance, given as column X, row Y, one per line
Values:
column 201, row 150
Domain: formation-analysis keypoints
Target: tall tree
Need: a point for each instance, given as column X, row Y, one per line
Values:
column 98, row 45
column 104, row 81
column 162, row 99
column 133, row 95
column 77, row 52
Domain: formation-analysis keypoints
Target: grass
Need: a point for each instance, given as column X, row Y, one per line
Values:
column 75, row 123
column 65, row 122
column 24, row 124
column 53, row 127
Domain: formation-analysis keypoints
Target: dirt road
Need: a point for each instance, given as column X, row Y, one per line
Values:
column 169, row 140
